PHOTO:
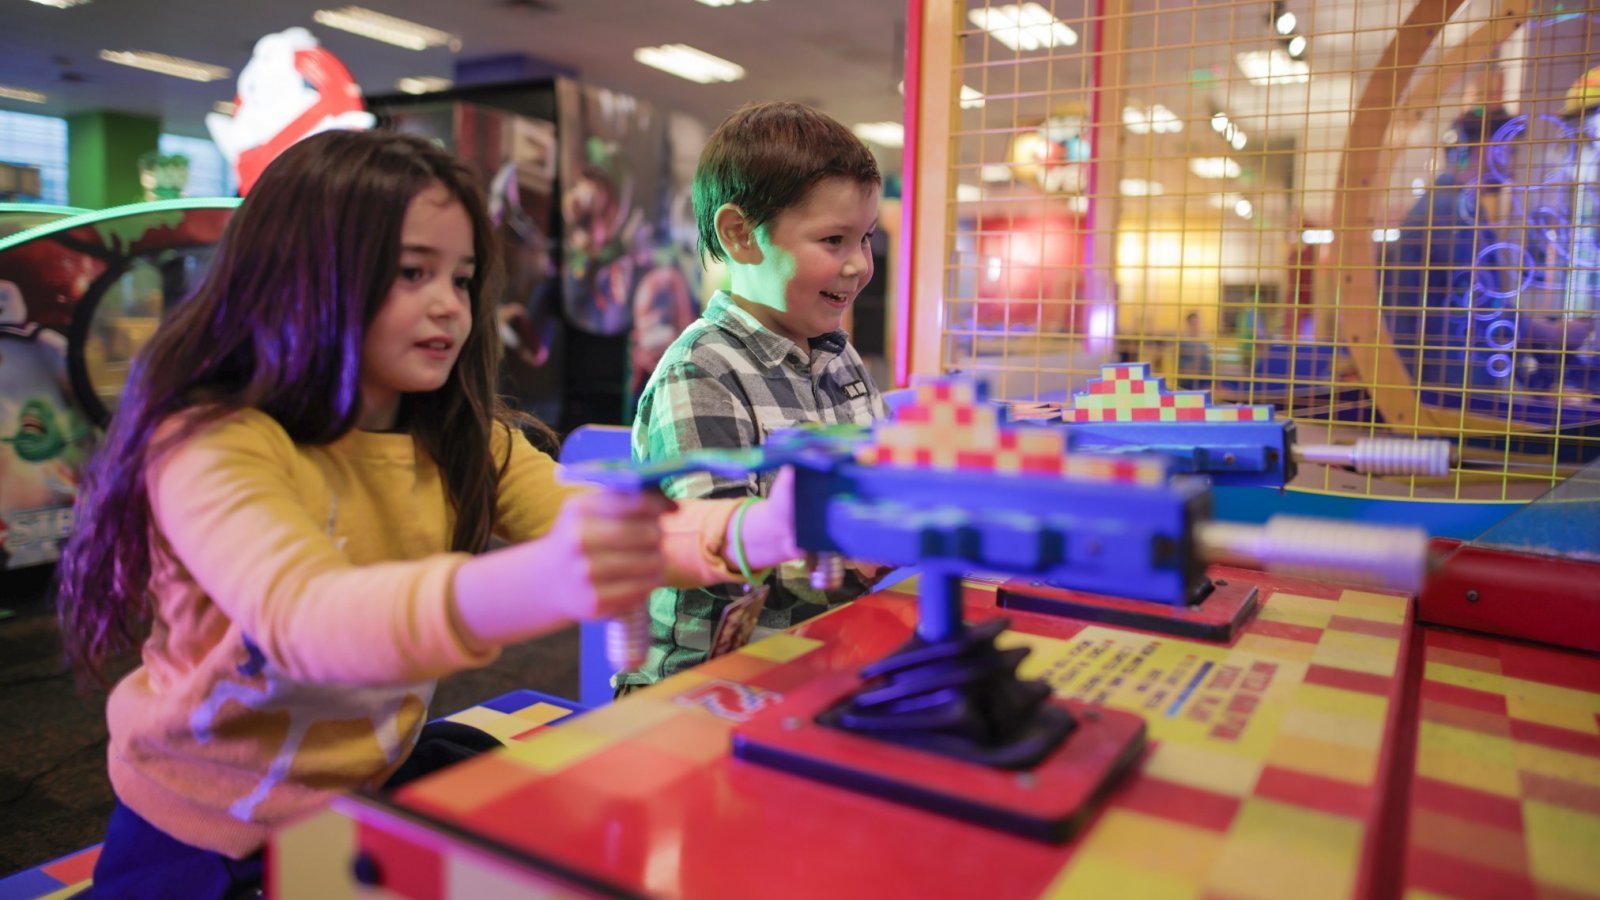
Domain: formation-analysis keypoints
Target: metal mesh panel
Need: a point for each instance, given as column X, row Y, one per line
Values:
column 1382, row 216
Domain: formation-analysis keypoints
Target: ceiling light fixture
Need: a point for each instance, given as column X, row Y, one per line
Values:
column 1214, row 167
column 1023, row 26
column 61, row 4
column 689, row 63
column 1157, row 119
column 423, row 84
column 1316, row 236
column 1297, row 46
column 1272, row 67
column 26, row 96
column 725, row 2
column 1138, row 187
column 1284, row 24
column 884, row 134
column 163, row 64
column 968, row 193
column 385, row 28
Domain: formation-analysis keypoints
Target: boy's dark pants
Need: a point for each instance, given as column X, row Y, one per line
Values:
column 141, row 861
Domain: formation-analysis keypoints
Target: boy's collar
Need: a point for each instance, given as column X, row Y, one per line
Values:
column 768, row 347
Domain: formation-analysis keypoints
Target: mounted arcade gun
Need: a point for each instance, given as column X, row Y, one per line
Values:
column 944, row 723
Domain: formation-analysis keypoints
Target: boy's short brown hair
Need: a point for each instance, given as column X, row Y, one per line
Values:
column 765, row 157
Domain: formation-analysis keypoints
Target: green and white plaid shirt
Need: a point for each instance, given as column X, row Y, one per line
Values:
column 727, row 383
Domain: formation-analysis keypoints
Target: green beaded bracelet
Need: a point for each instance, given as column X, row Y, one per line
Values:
column 751, row 579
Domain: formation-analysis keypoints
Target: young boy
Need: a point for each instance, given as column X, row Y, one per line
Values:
column 788, row 198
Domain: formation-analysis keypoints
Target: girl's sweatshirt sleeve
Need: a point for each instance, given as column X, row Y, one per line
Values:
column 226, row 506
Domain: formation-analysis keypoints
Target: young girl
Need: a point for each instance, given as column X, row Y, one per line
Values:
column 295, row 496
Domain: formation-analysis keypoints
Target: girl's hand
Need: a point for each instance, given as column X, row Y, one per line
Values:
column 769, row 526
column 602, row 557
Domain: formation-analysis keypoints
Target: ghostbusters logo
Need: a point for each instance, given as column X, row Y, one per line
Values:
column 290, row 90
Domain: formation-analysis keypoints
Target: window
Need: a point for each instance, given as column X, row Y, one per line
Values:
column 31, row 140
column 210, row 175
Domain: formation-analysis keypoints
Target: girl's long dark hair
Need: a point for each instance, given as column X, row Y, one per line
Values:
column 277, row 325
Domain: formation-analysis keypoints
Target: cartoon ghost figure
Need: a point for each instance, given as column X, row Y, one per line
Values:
column 290, row 90
column 41, row 435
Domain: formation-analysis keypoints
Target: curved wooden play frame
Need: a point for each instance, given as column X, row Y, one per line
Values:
column 1366, row 164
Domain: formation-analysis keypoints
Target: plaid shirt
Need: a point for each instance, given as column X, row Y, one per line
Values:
column 727, row 383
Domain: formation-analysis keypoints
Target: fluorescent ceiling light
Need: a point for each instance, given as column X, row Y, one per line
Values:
column 161, row 63
column 1386, row 235
column 993, row 172
column 725, row 2
column 423, row 84
column 225, row 107
column 1273, row 66
column 389, row 29
column 686, row 62
column 26, row 96
column 884, row 134
column 968, row 193
column 1023, row 26
column 1317, row 236
column 1214, row 167
column 1138, row 187
column 61, row 4
column 1157, row 119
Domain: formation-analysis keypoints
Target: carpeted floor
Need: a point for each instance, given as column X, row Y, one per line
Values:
column 54, row 797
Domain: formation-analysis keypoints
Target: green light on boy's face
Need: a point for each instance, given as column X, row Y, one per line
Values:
column 768, row 281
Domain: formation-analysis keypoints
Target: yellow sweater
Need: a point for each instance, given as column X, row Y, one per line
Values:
column 302, row 599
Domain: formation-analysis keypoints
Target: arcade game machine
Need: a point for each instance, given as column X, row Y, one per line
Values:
column 78, row 297
column 1140, row 701
column 15, row 217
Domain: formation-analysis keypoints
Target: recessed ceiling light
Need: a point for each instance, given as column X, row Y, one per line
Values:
column 1297, row 46
column 1214, row 167
column 1157, row 119
column 423, row 84
column 1138, row 187
column 161, row 63
column 1284, row 24
column 884, row 134
column 26, row 96
column 689, row 63
column 1273, row 66
column 1023, row 26
column 389, row 29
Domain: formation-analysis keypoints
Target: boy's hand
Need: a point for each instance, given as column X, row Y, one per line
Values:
column 603, row 555
column 769, row 526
